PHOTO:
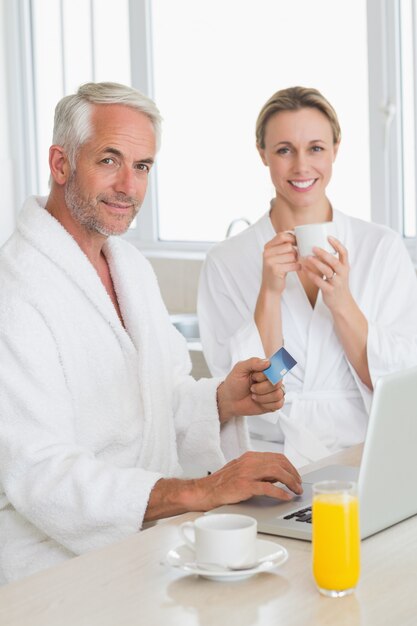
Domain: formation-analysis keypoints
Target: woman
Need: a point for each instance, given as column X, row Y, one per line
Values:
column 347, row 318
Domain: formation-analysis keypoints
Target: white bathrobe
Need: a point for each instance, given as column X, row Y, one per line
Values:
column 91, row 414
column 327, row 406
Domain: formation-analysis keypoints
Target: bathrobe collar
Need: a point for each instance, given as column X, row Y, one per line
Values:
column 48, row 235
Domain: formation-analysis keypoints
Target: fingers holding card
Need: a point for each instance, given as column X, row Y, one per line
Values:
column 281, row 363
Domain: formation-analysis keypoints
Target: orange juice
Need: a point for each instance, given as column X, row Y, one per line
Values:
column 336, row 541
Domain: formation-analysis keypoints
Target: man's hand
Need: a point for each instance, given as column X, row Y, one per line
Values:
column 252, row 474
column 247, row 391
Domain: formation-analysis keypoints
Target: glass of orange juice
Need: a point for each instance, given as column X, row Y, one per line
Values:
column 336, row 537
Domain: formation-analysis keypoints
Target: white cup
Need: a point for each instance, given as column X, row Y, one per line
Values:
column 309, row 236
column 224, row 539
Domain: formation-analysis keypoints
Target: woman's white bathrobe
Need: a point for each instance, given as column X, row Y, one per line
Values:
column 91, row 414
column 326, row 406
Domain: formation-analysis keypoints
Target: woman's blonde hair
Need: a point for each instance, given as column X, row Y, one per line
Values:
column 294, row 99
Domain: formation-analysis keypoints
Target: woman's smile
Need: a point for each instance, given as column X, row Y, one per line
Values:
column 303, row 185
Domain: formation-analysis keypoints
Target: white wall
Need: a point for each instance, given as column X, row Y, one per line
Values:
column 7, row 209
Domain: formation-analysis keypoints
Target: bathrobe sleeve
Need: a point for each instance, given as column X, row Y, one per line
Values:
column 227, row 326
column 61, row 487
column 203, row 444
column 392, row 335
column 228, row 289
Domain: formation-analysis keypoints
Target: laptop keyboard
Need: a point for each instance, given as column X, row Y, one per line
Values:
column 303, row 515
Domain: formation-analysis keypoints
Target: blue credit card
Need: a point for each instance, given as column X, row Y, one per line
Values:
column 281, row 363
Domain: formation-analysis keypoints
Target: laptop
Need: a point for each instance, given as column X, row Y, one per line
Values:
column 386, row 478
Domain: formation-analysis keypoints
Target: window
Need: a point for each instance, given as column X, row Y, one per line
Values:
column 214, row 65
column 392, row 37
column 408, row 32
column 210, row 67
column 74, row 45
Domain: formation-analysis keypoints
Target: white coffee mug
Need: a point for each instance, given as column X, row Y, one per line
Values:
column 309, row 236
column 224, row 539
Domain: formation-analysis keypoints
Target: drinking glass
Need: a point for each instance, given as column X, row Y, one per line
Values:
column 336, row 537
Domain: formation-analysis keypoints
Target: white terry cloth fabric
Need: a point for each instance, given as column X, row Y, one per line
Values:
column 91, row 415
column 327, row 406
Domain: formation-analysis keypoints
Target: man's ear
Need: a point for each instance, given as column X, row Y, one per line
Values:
column 59, row 164
column 261, row 153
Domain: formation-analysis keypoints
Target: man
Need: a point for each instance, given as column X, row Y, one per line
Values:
column 99, row 417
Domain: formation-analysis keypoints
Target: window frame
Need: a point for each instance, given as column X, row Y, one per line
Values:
column 145, row 233
column 21, row 110
column 384, row 117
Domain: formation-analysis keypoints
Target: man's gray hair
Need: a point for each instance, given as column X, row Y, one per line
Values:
column 72, row 123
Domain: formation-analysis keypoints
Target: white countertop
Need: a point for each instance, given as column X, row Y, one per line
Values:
column 129, row 584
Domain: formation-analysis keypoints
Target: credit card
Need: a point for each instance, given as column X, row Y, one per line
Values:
column 281, row 363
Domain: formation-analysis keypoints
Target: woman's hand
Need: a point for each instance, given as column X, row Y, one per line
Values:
column 279, row 258
column 330, row 274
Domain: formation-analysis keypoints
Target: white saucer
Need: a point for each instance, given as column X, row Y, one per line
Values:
column 269, row 554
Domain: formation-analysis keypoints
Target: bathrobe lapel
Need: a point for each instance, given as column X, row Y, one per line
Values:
column 297, row 306
column 315, row 328
column 46, row 234
column 148, row 326
column 147, row 323
column 320, row 332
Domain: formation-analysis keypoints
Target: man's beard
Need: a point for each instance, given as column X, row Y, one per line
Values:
column 86, row 211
